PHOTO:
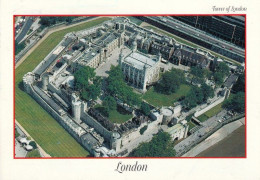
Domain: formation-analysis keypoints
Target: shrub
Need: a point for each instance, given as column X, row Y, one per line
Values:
column 143, row 129
column 33, row 144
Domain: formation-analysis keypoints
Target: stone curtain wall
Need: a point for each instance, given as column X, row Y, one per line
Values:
column 96, row 125
column 218, row 101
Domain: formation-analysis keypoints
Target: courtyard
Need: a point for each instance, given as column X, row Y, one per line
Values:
column 158, row 99
column 119, row 115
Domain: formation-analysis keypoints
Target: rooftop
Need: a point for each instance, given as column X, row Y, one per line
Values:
column 230, row 81
column 139, row 60
column 91, row 140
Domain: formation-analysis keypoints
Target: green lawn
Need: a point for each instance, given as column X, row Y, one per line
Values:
column 33, row 153
column 118, row 115
column 157, row 99
column 210, row 113
column 180, row 40
column 191, row 125
column 45, row 130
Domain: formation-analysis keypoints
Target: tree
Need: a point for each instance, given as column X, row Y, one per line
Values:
column 143, row 129
column 19, row 47
column 194, row 98
column 160, row 146
column 218, row 78
column 87, row 83
column 109, row 103
column 170, row 81
column 223, row 68
column 197, row 73
column 207, row 91
column 236, row 103
column 51, row 20
column 145, row 108
column 190, row 101
column 240, row 84
column 33, row 144
column 221, row 71
column 117, row 88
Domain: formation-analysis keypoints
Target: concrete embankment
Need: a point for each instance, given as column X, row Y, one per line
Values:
column 215, row 138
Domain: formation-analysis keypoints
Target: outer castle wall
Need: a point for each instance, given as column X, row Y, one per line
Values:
column 59, row 118
column 53, row 113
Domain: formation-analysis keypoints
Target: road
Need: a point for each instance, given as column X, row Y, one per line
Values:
column 200, row 34
column 217, row 137
column 25, row 29
column 207, row 127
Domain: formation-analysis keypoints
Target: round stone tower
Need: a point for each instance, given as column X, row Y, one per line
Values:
column 28, row 80
column 115, row 141
column 167, row 115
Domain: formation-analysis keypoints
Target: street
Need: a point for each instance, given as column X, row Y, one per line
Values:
column 201, row 34
column 207, row 126
column 25, row 29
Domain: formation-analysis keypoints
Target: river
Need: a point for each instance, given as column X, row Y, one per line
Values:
column 232, row 146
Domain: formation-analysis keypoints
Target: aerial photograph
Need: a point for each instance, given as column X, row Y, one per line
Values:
column 114, row 86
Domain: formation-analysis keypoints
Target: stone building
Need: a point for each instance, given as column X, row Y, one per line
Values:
column 189, row 56
column 140, row 69
column 165, row 50
column 98, row 50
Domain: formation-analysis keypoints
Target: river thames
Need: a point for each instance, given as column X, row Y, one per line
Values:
column 232, row 146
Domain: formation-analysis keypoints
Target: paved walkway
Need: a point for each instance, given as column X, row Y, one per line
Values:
column 28, row 135
column 19, row 150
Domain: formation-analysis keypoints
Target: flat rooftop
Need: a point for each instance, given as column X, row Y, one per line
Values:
column 139, row 60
